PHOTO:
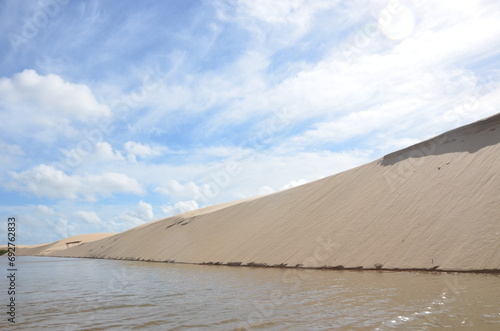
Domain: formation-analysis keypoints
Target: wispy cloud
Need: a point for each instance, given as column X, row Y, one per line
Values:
column 45, row 181
column 179, row 207
column 133, row 217
column 88, row 217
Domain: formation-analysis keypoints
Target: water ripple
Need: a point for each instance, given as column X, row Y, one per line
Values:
column 86, row 294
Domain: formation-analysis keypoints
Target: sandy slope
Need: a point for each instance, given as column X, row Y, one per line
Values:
column 434, row 205
column 48, row 249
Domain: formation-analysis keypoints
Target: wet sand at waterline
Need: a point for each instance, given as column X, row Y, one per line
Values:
column 432, row 206
column 90, row 294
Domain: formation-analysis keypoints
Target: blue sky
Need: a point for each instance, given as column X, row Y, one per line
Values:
column 113, row 114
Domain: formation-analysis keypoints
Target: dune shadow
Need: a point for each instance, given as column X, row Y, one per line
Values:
column 454, row 141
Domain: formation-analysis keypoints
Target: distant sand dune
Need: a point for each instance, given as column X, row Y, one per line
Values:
column 47, row 249
column 433, row 206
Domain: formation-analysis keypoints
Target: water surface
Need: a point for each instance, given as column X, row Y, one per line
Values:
column 89, row 294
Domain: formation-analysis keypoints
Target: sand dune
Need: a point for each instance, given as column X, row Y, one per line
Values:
column 48, row 249
column 434, row 205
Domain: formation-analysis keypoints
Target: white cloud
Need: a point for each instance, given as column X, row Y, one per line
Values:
column 87, row 153
column 264, row 190
column 46, row 181
column 45, row 106
column 51, row 95
column 261, row 172
column 105, row 151
column 179, row 191
column 89, row 217
column 293, row 183
column 43, row 210
column 396, row 21
column 108, row 183
column 179, row 207
column 135, row 149
column 142, row 214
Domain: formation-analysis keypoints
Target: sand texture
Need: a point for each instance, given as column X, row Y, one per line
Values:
column 48, row 249
column 433, row 206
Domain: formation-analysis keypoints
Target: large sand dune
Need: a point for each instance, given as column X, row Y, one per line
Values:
column 434, row 205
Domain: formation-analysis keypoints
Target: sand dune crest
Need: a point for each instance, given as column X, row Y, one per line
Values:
column 433, row 206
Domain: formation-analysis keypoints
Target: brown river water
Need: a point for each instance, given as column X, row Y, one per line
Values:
column 89, row 294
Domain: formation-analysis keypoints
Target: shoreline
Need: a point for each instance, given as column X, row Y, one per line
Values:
column 282, row 266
